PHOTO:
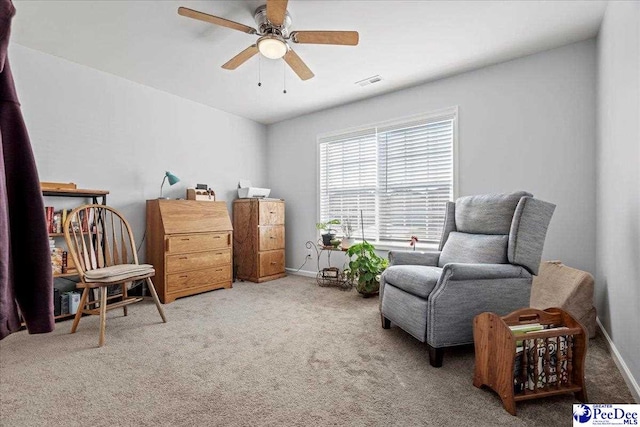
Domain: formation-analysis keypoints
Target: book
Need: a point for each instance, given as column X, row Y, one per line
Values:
column 64, row 303
column 56, row 302
column 48, row 211
column 56, row 260
column 518, row 379
column 523, row 329
column 536, row 351
column 82, row 223
column 56, row 226
column 74, row 302
column 65, row 259
column 71, row 266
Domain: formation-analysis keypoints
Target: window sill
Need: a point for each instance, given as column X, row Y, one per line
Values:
column 402, row 246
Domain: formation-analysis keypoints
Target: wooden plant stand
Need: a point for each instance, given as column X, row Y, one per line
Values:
column 495, row 349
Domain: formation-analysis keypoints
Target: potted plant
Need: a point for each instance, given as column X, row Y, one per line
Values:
column 329, row 233
column 347, row 231
column 365, row 267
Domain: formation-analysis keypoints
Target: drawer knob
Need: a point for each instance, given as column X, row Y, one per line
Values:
column 183, row 257
column 216, row 237
column 185, row 240
column 272, row 212
column 271, row 237
column 273, row 263
column 184, row 276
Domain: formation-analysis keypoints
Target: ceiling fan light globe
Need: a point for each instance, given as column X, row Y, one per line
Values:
column 272, row 47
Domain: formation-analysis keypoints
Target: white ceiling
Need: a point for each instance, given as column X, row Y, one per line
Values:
column 405, row 42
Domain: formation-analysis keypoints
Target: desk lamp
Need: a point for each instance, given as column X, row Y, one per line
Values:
column 172, row 180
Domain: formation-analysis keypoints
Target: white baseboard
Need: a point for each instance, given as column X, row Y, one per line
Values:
column 305, row 273
column 622, row 366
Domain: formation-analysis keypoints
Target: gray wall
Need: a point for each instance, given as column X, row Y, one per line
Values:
column 618, row 183
column 525, row 124
column 105, row 132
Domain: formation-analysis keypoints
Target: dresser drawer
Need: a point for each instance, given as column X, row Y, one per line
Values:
column 271, row 213
column 194, row 279
column 271, row 237
column 197, row 242
column 197, row 260
column 271, row 263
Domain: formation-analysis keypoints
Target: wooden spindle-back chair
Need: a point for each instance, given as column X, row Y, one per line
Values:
column 101, row 244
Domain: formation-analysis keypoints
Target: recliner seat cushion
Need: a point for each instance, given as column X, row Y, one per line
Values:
column 474, row 249
column 417, row 280
column 487, row 213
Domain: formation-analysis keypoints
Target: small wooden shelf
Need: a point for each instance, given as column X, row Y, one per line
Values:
column 56, row 275
column 495, row 347
column 54, row 189
column 78, row 192
column 63, row 316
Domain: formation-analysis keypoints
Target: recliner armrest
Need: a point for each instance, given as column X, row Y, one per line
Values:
column 427, row 258
column 466, row 290
column 459, row 271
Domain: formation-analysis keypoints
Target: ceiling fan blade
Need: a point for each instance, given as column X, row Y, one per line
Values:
column 349, row 38
column 241, row 58
column 276, row 11
column 297, row 65
column 201, row 16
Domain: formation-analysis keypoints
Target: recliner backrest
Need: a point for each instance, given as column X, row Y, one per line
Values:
column 488, row 213
column 496, row 229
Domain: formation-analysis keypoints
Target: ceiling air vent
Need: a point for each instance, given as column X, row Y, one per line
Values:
column 369, row 81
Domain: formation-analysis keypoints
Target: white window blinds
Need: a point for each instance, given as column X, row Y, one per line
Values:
column 400, row 176
column 348, row 179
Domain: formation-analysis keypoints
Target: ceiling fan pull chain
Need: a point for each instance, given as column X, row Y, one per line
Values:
column 284, row 78
column 259, row 78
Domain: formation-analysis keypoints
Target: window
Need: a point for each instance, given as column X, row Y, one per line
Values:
column 398, row 176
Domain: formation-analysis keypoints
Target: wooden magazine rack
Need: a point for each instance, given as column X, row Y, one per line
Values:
column 551, row 362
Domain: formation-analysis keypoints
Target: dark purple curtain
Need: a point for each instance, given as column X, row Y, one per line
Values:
column 25, row 264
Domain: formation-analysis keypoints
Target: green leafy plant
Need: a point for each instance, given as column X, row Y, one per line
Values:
column 329, row 233
column 365, row 267
column 326, row 226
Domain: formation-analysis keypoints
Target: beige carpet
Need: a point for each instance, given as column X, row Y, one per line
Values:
column 285, row 353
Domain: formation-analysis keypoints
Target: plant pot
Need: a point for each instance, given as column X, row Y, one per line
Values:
column 368, row 289
column 347, row 241
column 326, row 239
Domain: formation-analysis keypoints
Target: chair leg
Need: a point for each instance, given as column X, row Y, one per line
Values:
column 435, row 356
column 83, row 302
column 103, row 315
column 124, row 296
column 386, row 323
column 154, row 294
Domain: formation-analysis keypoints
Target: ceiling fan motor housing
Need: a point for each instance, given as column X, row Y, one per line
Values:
column 266, row 27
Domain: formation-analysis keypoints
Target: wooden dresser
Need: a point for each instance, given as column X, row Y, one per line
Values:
column 189, row 244
column 258, row 242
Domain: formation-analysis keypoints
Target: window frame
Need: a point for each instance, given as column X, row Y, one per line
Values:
column 451, row 112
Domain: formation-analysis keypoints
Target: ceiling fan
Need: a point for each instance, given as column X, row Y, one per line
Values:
column 273, row 23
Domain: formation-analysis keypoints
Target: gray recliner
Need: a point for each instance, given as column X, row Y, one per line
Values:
column 490, row 247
